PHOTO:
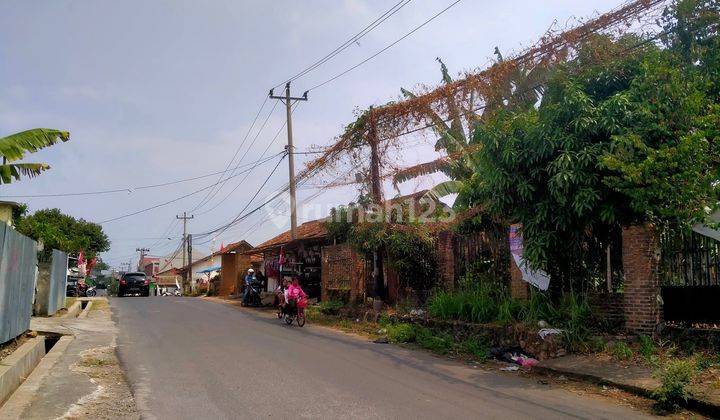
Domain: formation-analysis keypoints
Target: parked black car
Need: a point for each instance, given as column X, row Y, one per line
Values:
column 134, row 283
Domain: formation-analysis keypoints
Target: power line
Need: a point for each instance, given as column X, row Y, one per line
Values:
column 237, row 150
column 417, row 28
column 164, row 203
column 241, row 159
column 352, row 40
column 223, row 228
column 270, row 143
column 141, row 187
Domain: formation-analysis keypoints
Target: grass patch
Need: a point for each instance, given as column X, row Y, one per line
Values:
column 99, row 305
column 96, row 362
column 401, row 333
column 330, row 307
column 621, row 351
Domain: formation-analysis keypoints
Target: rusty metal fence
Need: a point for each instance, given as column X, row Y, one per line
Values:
column 18, row 265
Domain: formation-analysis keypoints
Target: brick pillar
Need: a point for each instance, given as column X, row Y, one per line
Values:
column 519, row 288
column 446, row 259
column 640, row 253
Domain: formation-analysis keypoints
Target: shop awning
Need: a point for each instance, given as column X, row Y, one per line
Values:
column 210, row 269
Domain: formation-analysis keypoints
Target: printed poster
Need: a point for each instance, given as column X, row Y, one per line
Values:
column 537, row 278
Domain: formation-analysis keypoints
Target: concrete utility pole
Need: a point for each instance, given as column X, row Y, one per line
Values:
column 288, row 100
column 143, row 252
column 185, row 218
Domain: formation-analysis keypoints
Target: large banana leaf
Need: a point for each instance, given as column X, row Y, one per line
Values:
column 438, row 165
column 444, row 189
column 14, row 146
column 15, row 170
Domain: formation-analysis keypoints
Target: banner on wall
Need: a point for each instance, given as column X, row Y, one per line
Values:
column 537, row 278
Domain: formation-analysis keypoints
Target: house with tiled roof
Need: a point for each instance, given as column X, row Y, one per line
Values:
column 283, row 256
column 222, row 261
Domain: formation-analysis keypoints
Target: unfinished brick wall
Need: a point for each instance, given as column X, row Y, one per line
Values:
column 234, row 267
column 640, row 252
column 343, row 273
column 519, row 288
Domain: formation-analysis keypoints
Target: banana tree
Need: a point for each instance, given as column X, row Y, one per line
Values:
column 521, row 89
column 14, row 147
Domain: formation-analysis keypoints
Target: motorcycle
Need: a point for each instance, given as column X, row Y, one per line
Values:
column 253, row 298
column 91, row 291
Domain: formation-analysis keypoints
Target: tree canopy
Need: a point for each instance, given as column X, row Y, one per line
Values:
column 63, row 232
column 623, row 141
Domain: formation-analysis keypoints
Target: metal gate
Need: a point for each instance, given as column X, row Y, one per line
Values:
column 690, row 277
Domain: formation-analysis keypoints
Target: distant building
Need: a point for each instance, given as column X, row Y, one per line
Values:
column 6, row 211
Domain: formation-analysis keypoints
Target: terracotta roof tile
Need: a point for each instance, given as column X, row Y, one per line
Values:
column 314, row 229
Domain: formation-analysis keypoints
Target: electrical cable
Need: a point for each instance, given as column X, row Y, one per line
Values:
column 223, row 228
column 270, row 143
column 417, row 28
column 164, row 203
column 237, row 150
column 353, row 40
column 142, row 187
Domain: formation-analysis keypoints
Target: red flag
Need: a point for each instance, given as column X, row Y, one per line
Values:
column 91, row 264
column 281, row 259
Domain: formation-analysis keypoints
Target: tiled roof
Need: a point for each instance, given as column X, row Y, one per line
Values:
column 314, row 229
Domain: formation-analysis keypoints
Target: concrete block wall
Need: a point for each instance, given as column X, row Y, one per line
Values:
column 641, row 258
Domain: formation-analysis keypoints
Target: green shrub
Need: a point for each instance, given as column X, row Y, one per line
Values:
column 475, row 346
column 647, row 349
column 331, row 307
column 596, row 344
column 621, row 351
column 674, row 379
column 401, row 333
column 438, row 343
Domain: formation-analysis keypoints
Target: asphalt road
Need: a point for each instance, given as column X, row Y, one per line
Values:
column 188, row 358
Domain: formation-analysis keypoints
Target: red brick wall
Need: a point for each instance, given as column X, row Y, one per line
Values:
column 642, row 287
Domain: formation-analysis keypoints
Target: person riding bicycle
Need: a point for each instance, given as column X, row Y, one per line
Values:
column 293, row 294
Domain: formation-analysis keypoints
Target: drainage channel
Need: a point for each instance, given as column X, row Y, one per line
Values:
column 23, row 371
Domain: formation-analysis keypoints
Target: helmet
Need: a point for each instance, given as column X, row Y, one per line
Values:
column 251, row 271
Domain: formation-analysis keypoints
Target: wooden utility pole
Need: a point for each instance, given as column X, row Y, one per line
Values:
column 185, row 218
column 375, row 182
column 289, row 100
column 143, row 252
column 377, row 196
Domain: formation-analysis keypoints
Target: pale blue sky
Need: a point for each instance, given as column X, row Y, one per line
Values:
column 153, row 91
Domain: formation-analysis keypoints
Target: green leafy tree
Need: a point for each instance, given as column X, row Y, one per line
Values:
column 63, row 232
column 14, row 147
column 625, row 141
column 519, row 90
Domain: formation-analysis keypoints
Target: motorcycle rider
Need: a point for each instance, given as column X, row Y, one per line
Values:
column 249, row 278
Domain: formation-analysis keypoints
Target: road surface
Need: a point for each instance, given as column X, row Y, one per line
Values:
column 189, row 358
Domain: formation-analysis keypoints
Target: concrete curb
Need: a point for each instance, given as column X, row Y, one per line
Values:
column 700, row 406
column 85, row 311
column 16, row 367
column 73, row 310
column 23, row 396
